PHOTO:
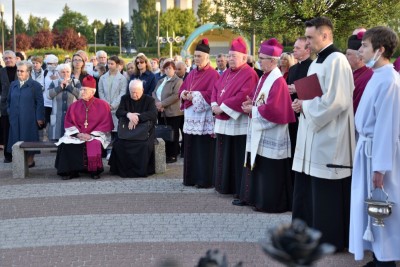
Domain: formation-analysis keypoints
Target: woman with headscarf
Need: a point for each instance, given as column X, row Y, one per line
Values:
column 63, row 95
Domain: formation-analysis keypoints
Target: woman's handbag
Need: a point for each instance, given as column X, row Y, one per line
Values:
column 166, row 132
column 139, row 133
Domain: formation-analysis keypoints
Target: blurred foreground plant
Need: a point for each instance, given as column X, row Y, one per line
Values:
column 295, row 245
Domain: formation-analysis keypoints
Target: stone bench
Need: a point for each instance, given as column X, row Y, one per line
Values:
column 20, row 162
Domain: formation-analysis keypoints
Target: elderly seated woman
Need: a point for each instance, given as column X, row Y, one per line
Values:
column 135, row 158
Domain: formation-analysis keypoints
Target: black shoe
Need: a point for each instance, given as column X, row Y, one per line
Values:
column 238, row 202
column 369, row 264
column 95, row 176
column 171, row 159
column 66, row 177
column 257, row 209
column 6, row 160
column 31, row 165
column 73, row 175
column 202, row 186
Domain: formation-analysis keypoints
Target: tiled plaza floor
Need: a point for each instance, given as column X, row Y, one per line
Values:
column 45, row 221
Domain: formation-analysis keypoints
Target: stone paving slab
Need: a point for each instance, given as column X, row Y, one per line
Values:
column 134, row 203
column 95, row 187
column 45, row 221
column 131, row 228
column 145, row 254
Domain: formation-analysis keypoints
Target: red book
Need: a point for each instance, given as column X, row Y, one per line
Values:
column 308, row 87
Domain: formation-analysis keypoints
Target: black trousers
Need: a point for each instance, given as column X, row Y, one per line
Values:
column 47, row 113
column 172, row 149
column 324, row 204
column 5, row 128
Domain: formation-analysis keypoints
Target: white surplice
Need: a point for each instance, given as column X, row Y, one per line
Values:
column 378, row 120
column 326, row 127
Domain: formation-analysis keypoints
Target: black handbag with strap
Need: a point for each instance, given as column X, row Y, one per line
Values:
column 139, row 133
column 166, row 132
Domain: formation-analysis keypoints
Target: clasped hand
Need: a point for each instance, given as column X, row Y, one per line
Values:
column 247, row 105
column 133, row 120
column 159, row 107
column 84, row 137
column 186, row 95
column 217, row 110
column 297, row 105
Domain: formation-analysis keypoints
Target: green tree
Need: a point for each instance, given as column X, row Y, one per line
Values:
column 126, row 38
column 144, row 23
column 284, row 19
column 204, row 12
column 20, row 26
column 180, row 22
column 36, row 24
column 73, row 20
column 109, row 34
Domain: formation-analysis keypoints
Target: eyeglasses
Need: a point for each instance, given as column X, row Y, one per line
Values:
column 262, row 58
column 22, row 71
column 77, row 60
column 141, row 62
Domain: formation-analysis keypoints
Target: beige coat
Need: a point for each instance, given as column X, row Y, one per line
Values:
column 326, row 130
column 112, row 93
column 170, row 96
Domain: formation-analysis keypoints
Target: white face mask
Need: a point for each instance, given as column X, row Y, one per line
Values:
column 96, row 74
column 373, row 60
column 51, row 68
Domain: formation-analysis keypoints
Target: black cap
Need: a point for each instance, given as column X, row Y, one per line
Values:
column 203, row 46
column 354, row 41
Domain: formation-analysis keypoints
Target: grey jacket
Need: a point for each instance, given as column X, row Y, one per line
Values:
column 170, row 96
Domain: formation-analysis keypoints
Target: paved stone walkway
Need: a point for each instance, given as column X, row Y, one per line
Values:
column 45, row 221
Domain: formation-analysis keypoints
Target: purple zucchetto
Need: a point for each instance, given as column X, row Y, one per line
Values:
column 239, row 45
column 271, row 48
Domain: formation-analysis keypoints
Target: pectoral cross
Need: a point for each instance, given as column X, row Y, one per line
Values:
column 222, row 92
column 86, row 123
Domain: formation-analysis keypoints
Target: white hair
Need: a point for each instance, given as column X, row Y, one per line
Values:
column 10, row 53
column 63, row 66
column 101, row 52
column 135, row 83
column 51, row 59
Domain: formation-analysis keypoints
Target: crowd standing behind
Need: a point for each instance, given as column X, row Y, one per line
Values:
column 241, row 127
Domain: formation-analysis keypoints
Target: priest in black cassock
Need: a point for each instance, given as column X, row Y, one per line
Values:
column 130, row 158
column 301, row 52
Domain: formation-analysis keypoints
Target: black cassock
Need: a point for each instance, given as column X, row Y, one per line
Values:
column 135, row 158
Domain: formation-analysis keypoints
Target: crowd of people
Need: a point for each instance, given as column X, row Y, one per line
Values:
column 247, row 131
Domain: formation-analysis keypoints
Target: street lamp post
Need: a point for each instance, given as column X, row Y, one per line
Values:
column 95, row 43
column 14, row 33
column 120, row 28
column 158, row 9
column 2, row 26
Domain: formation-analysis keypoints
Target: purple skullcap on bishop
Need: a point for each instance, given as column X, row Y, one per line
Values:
column 89, row 81
column 239, row 45
column 271, row 48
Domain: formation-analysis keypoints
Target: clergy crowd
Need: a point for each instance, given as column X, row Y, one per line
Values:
column 314, row 132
